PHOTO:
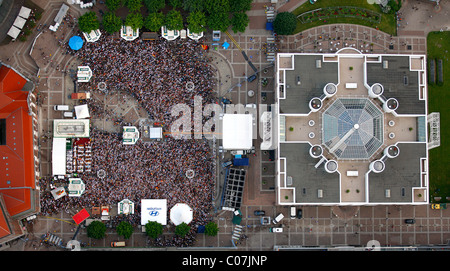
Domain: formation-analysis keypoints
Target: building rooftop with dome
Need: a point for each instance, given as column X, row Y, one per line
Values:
column 352, row 129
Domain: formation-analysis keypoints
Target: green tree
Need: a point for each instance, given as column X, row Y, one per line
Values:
column 193, row 5
column 153, row 229
column 182, row 229
column 154, row 5
column 96, row 230
column 111, row 23
column 124, row 229
column 285, row 23
column 133, row 5
column 196, row 21
column 176, row 3
column 174, row 20
column 134, row 20
column 211, row 229
column 88, row 22
column 239, row 22
column 217, row 6
column 219, row 21
column 240, row 5
column 154, row 21
column 113, row 5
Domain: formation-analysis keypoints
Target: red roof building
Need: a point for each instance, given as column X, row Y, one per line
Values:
column 19, row 169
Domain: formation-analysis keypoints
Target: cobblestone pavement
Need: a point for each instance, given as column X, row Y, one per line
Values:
column 320, row 226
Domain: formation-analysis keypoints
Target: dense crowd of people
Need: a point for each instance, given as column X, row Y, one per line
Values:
column 156, row 74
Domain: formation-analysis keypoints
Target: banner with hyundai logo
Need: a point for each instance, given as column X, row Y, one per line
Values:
column 154, row 210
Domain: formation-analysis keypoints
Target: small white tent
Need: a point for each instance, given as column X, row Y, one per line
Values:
column 181, row 213
column 82, row 111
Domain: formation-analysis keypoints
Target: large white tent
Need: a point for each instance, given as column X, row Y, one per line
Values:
column 14, row 32
column 154, row 210
column 19, row 22
column 59, row 156
column 24, row 12
column 237, row 131
column 180, row 213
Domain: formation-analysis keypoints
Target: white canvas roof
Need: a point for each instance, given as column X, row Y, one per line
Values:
column 19, row 22
column 237, row 131
column 155, row 132
column 181, row 213
column 82, row 111
column 154, row 210
column 59, row 156
column 13, row 32
column 24, row 12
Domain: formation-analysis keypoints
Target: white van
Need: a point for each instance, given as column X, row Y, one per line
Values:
column 68, row 114
column 61, row 107
column 293, row 211
column 278, row 218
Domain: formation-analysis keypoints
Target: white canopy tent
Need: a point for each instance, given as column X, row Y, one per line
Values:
column 155, row 132
column 237, row 131
column 154, row 210
column 180, row 213
column 14, row 32
column 24, row 12
column 19, row 22
column 82, row 111
column 59, row 156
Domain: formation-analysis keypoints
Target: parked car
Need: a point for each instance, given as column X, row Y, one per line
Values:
column 118, row 244
column 259, row 212
column 277, row 229
column 299, row 213
column 251, row 78
column 438, row 206
column 278, row 218
column 410, row 221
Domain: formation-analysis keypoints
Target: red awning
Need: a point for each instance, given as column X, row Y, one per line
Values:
column 80, row 216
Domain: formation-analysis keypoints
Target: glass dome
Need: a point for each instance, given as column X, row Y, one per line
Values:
column 352, row 128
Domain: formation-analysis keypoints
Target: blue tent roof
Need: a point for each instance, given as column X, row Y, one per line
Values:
column 225, row 45
column 269, row 26
column 76, row 42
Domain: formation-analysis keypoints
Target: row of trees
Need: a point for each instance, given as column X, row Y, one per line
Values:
column 214, row 14
column 97, row 229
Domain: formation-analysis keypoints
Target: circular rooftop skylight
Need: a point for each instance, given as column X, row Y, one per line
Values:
column 353, row 128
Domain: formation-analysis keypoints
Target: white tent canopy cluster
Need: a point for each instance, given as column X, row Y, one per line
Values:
column 20, row 21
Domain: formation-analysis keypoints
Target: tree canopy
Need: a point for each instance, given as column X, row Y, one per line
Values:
column 174, row 20
column 182, row 229
column 96, row 230
column 124, row 229
column 154, row 21
column 239, row 22
column 211, row 229
column 111, row 23
column 154, row 5
column 153, row 229
column 133, row 5
column 88, row 22
column 113, row 5
column 196, row 21
column 134, row 20
column 285, row 23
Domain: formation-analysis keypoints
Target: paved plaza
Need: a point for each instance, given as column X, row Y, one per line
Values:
column 43, row 61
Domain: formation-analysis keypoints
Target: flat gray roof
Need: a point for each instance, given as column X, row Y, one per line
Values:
column 393, row 80
column 306, row 178
column 401, row 173
column 312, row 79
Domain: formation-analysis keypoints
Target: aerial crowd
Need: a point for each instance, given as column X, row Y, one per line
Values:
column 156, row 73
